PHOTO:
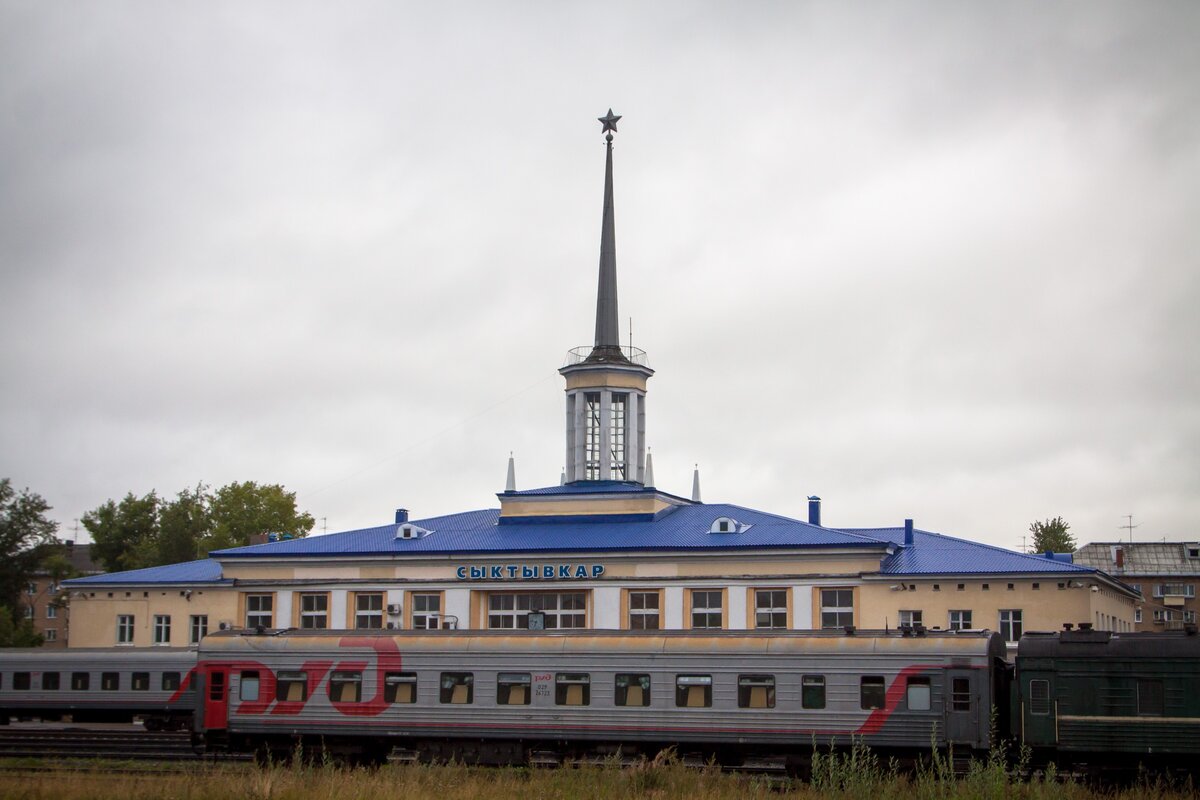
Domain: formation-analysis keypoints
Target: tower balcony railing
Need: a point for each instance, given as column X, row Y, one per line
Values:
column 586, row 353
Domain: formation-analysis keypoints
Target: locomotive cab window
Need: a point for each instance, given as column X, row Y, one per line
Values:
column 110, row 681
column 812, row 691
column 140, row 682
column 291, row 687
column 21, row 681
column 49, row 681
column 871, row 691
column 572, row 689
column 400, row 687
column 693, row 691
column 631, row 690
column 512, row 689
column 345, row 687
column 919, row 694
column 170, row 681
column 249, row 685
column 457, row 688
column 756, row 691
column 80, row 681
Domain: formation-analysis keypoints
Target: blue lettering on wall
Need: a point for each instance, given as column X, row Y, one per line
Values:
column 529, row 572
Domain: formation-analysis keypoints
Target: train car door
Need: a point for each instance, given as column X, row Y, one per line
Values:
column 216, row 696
column 1039, row 712
column 963, row 707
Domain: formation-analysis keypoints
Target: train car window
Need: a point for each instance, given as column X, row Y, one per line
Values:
column 80, row 681
column 291, row 687
column 632, row 690
column 110, row 681
column 572, row 689
column 21, row 681
column 693, row 691
column 919, row 694
column 249, row 685
column 870, row 691
column 50, row 681
column 1150, row 698
column 1039, row 698
column 457, row 688
column 400, row 687
column 512, row 689
column 345, row 687
column 960, row 694
column 812, row 691
column 756, row 691
column 140, row 682
column 170, row 681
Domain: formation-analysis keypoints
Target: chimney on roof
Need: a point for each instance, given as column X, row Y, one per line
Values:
column 1048, row 554
column 401, row 515
column 908, row 533
column 1119, row 555
column 814, row 510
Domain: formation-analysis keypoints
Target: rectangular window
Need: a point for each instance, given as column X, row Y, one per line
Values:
column 314, row 610
column 911, row 618
column 632, row 689
column 871, row 691
column 1149, row 698
column 591, row 436
column 457, row 688
column 140, row 682
column 124, row 629
column 162, row 629
column 260, row 610
column 51, row 635
column 197, row 628
column 572, row 689
column 1188, row 616
column 693, row 691
column 562, row 611
column 170, row 681
column 80, row 681
column 706, row 609
column 345, row 687
column 837, row 608
column 770, row 609
column 21, row 681
column 1137, row 615
column 644, row 611
column 1039, row 698
column 49, row 681
column 368, row 610
column 1010, row 624
column 960, row 694
column 291, row 686
column 51, row 612
column 756, row 691
column 28, row 612
column 400, row 687
column 960, row 620
column 249, row 686
column 616, row 436
column 426, row 611
column 918, row 694
column 812, row 691
column 110, row 681
column 512, row 689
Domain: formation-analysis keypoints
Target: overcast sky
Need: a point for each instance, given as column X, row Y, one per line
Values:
column 931, row 261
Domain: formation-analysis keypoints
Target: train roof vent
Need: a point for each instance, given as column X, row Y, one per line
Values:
column 727, row 525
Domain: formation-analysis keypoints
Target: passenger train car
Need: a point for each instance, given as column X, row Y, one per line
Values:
column 497, row 697
column 99, row 685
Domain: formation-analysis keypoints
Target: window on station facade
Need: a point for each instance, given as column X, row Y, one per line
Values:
column 562, row 610
column 368, row 610
column 960, row 619
column 162, row 629
column 314, row 610
column 125, row 629
column 911, row 618
column 837, row 608
column 707, row 609
column 770, row 608
column 197, row 628
column 1010, row 624
column 260, row 610
column 426, row 611
column 591, row 437
column 644, row 611
column 616, row 436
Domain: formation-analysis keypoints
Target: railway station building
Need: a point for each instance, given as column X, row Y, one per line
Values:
column 605, row 549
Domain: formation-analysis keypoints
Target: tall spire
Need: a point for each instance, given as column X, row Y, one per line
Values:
column 608, row 332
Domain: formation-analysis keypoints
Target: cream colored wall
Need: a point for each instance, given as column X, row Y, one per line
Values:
column 645, row 504
column 598, row 379
column 94, row 616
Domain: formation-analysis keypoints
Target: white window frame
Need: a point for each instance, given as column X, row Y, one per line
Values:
column 162, row 630
column 776, row 614
column 959, row 619
column 649, row 617
column 912, row 617
column 51, row 611
column 834, row 613
column 125, row 624
column 51, row 634
column 258, row 615
column 708, row 609
column 364, row 617
column 426, row 609
column 197, row 628
column 314, row 611
column 1013, row 627
column 561, row 610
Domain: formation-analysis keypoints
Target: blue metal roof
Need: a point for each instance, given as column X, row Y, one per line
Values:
column 206, row 570
column 679, row 528
column 938, row 554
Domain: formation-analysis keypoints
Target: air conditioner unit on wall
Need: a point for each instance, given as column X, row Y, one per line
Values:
column 393, row 609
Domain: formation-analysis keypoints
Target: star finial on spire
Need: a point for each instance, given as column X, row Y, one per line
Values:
column 609, row 122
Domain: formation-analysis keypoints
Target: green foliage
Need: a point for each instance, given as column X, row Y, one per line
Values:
column 17, row 633
column 148, row 531
column 26, row 539
column 1052, row 536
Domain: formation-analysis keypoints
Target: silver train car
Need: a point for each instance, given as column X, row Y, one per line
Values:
column 505, row 697
column 99, row 685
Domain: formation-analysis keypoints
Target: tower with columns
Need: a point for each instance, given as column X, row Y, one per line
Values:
column 606, row 383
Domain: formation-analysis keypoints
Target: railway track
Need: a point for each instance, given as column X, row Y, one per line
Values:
column 79, row 743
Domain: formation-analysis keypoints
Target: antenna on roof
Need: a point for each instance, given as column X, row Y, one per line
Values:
column 1130, row 526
